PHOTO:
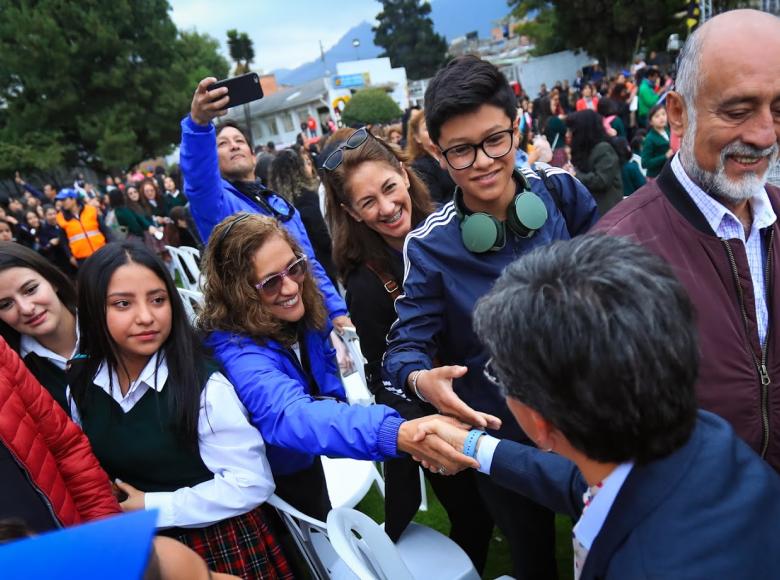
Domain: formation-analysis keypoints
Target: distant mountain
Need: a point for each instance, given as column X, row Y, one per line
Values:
column 451, row 19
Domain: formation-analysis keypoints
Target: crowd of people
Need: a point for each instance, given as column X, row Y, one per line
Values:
column 566, row 305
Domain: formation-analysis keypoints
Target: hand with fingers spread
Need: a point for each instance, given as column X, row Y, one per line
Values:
column 437, row 455
column 206, row 104
column 435, row 386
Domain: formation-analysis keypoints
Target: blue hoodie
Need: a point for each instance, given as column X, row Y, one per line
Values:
column 297, row 424
column 443, row 281
column 212, row 199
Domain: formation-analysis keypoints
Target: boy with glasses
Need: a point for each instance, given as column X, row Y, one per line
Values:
column 455, row 256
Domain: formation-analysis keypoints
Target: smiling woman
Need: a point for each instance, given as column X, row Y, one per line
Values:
column 172, row 434
column 38, row 315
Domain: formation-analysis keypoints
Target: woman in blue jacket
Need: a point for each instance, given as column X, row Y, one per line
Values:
column 269, row 329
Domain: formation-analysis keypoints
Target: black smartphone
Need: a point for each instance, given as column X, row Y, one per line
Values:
column 241, row 89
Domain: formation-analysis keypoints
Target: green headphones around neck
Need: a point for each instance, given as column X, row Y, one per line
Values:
column 482, row 232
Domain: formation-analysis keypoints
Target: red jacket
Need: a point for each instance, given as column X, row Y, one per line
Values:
column 732, row 383
column 53, row 451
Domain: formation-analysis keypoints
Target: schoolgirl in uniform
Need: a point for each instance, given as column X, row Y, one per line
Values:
column 163, row 423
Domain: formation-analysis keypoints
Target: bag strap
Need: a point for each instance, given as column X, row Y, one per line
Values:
column 391, row 286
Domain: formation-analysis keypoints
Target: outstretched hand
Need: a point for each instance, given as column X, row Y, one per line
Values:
column 206, row 104
column 434, row 452
column 445, row 429
column 436, row 386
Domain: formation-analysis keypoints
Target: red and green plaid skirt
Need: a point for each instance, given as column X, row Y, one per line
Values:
column 243, row 546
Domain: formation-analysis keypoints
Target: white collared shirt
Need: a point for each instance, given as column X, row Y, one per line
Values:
column 230, row 447
column 29, row 344
column 727, row 226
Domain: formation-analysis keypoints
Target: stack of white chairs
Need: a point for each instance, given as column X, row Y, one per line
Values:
column 185, row 262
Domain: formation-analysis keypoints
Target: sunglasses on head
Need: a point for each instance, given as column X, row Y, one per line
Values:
column 355, row 140
column 272, row 285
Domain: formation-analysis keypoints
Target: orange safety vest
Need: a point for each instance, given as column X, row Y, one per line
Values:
column 83, row 231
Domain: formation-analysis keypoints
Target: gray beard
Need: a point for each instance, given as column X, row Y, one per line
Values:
column 716, row 183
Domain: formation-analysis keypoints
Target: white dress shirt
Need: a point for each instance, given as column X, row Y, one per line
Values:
column 727, row 226
column 28, row 344
column 230, row 447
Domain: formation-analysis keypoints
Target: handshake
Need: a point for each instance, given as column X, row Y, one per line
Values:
column 437, row 442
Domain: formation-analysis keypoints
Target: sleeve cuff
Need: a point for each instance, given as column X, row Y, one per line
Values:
column 388, row 436
column 485, row 452
column 162, row 502
column 194, row 127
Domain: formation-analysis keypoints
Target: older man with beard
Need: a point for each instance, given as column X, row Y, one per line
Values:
column 712, row 216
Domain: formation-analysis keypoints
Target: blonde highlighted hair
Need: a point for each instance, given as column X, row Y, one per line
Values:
column 232, row 303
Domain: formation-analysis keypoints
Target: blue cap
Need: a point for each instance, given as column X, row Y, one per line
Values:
column 118, row 548
column 66, row 193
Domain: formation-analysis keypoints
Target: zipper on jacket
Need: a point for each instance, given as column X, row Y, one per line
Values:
column 37, row 489
column 763, row 373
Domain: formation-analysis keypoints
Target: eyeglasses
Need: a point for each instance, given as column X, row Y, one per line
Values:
column 355, row 140
column 272, row 285
column 490, row 373
column 226, row 231
column 464, row 155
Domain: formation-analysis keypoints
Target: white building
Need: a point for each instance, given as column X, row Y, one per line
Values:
column 278, row 116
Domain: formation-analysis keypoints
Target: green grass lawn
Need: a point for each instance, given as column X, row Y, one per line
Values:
column 498, row 562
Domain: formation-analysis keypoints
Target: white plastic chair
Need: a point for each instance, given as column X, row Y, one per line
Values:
column 421, row 552
column 192, row 300
column 311, row 538
column 349, row 480
column 185, row 262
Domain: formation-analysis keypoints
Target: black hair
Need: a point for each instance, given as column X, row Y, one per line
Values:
column 181, row 348
column 638, row 140
column 464, row 85
column 224, row 125
column 587, row 131
column 598, row 336
column 622, row 148
column 607, row 107
column 13, row 255
column 116, row 198
column 14, row 529
column 263, row 166
column 654, row 110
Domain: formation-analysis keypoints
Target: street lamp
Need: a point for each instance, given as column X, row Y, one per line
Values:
column 356, row 44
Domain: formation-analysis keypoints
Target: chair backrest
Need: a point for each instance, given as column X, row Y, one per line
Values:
column 370, row 553
column 185, row 262
column 192, row 300
column 311, row 538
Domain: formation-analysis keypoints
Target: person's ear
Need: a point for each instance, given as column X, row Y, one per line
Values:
column 405, row 176
column 351, row 213
column 676, row 113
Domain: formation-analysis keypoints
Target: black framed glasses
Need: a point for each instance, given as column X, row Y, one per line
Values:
column 355, row 140
column 494, row 146
column 226, row 231
column 272, row 285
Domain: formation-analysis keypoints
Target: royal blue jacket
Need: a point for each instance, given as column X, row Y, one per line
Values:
column 297, row 423
column 708, row 510
column 212, row 199
column 443, row 281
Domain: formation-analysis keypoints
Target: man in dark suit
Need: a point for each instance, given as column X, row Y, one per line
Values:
column 593, row 342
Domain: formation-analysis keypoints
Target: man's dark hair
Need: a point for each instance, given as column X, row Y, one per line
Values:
column 271, row 146
column 598, row 336
column 464, row 85
column 222, row 126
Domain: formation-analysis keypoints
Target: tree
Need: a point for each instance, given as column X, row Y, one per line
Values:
column 405, row 32
column 610, row 30
column 370, row 107
column 242, row 50
column 101, row 83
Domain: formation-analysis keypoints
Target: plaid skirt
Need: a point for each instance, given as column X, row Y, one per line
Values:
column 242, row 545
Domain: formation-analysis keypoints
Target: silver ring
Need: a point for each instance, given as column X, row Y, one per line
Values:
column 442, row 470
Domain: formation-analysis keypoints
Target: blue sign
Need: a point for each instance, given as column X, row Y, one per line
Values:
column 351, row 81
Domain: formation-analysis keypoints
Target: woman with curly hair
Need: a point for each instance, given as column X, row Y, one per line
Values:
column 269, row 330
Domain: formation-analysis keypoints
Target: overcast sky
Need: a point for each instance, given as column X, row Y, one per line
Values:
column 286, row 33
